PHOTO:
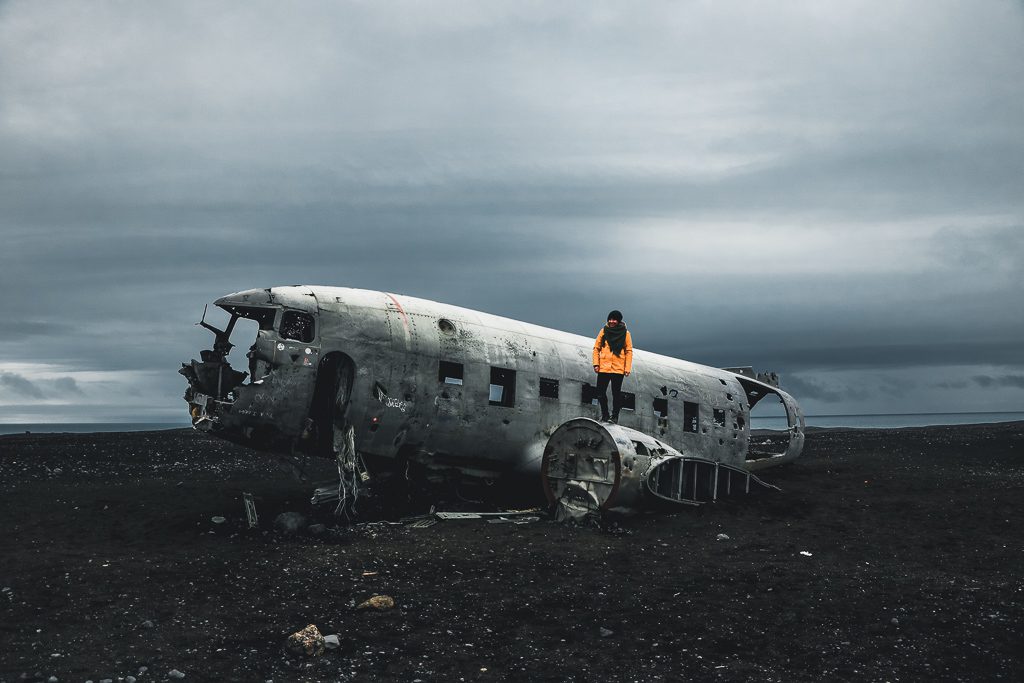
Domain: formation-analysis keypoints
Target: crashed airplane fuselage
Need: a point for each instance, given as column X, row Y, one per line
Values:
column 427, row 389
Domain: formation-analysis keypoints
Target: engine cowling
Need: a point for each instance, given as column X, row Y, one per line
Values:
column 590, row 467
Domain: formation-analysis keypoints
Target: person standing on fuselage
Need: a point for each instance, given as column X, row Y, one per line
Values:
column 613, row 361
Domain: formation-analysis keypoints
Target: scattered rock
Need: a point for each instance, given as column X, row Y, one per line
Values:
column 805, row 553
column 129, row 679
column 290, row 522
column 52, row 679
column 722, row 537
column 894, row 621
column 606, row 632
column 143, row 669
column 307, row 642
column 217, row 519
column 332, row 642
column 378, row 602
column 174, row 673
column 147, row 624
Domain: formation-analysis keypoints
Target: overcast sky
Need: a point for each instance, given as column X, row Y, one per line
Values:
column 833, row 190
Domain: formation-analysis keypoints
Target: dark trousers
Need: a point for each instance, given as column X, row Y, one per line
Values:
column 603, row 378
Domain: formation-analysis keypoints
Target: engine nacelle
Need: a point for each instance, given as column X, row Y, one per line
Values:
column 590, row 467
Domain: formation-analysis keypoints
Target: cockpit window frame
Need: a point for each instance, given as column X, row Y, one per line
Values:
column 264, row 316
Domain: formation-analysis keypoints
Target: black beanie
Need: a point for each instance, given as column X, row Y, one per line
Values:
column 615, row 315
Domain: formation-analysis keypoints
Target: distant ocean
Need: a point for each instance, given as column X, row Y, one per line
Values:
column 88, row 427
column 866, row 421
column 889, row 421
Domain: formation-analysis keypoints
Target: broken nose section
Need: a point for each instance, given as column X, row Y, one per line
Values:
column 210, row 383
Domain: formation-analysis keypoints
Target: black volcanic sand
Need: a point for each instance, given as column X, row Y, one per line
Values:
column 890, row 555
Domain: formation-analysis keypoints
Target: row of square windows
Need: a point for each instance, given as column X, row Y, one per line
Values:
column 503, row 390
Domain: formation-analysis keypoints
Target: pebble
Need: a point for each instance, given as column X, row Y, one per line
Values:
column 129, row 679
column 894, row 621
column 332, row 642
column 52, row 679
column 143, row 669
column 606, row 632
column 147, row 624
column 722, row 537
column 218, row 519
column 174, row 673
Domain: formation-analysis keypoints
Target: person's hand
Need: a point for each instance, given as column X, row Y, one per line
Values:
column 597, row 370
column 627, row 374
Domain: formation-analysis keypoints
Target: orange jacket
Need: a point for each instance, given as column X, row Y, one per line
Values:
column 606, row 361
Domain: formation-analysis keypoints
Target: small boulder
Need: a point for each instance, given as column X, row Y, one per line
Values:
column 290, row 522
column 174, row 673
column 307, row 642
column 332, row 642
column 378, row 602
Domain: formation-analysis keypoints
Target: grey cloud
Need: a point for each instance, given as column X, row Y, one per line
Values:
column 806, row 388
column 19, row 330
column 1012, row 381
column 67, row 385
column 20, row 386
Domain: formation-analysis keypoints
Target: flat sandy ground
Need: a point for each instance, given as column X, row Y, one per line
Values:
column 890, row 555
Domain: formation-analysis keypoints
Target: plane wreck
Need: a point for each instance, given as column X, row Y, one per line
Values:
column 394, row 386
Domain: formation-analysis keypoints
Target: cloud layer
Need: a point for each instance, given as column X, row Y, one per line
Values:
column 830, row 192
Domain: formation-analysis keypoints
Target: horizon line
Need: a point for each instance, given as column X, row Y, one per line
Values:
column 763, row 417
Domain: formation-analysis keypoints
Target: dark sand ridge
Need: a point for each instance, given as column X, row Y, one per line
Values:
column 915, row 572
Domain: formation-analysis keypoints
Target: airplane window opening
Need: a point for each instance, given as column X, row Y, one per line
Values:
column 640, row 448
column 691, row 416
column 379, row 391
column 548, row 388
column 722, row 381
column 264, row 317
column 503, row 387
column 719, row 415
column 297, row 325
column 769, row 425
column 446, row 326
column 661, row 407
column 628, row 401
column 449, row 373
column 729, row 396
column 589, row 395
